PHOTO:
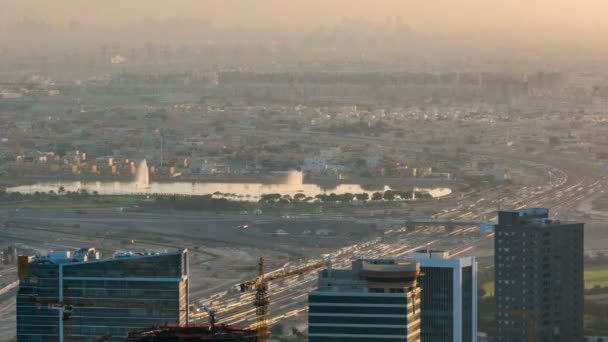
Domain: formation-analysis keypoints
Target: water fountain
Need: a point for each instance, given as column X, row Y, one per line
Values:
column 289, row 183
column 295, row 180
column 142, row 175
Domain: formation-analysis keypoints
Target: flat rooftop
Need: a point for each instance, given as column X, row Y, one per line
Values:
column 90, row 254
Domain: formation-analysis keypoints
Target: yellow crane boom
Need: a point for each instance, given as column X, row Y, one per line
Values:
column 262, row 300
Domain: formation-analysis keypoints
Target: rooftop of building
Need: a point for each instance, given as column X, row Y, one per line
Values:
column 439, row 258
column 90, row 254
column 430, row 254
column 364, row 268
column 533, row 217
column 529, row 212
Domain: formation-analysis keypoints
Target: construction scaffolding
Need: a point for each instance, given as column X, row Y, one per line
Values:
column 176, row 332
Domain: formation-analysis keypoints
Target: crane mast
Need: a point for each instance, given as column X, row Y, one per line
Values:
column 262, row 299
column 261, row 303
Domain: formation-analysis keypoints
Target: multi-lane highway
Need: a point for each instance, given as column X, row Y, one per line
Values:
column 289, row 297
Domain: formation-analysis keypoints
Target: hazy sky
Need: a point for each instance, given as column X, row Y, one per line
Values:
column 435, row 15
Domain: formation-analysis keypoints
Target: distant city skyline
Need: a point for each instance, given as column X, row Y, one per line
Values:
column 544, row 16
column 274, row 138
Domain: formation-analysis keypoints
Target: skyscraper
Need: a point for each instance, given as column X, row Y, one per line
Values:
column 538, row 277
column 376, row 300
column 449, row 297
column 77, row 296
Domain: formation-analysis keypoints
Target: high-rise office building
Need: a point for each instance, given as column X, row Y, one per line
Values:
column 538, row 277
column 77, row 296
column 449, row 297
column 376, row 300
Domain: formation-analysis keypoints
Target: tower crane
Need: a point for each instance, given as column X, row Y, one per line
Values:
column 262, row 300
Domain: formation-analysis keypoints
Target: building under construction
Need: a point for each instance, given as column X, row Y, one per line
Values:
column 178, row 333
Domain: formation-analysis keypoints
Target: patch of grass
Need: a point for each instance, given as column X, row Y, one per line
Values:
column 488, row 287
column 90, row 202
column 59, row 205
column 596, row 275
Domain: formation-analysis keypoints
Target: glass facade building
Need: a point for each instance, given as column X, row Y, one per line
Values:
column 449, row 297
column 377, row 300
column 76, row 296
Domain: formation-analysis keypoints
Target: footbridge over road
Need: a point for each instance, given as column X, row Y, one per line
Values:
column 449, row 225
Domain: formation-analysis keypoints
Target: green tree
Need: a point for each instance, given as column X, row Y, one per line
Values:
column 362, row 196
column 389, row 195
column 347, row 197
column 377, row 196
column 333, row 197
column 265, row 198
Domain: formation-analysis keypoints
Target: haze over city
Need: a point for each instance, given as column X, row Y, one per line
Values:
column 556, row 17
column 290, row 171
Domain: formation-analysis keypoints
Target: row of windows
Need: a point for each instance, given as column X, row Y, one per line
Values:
column 401, row 321
column 382, row 290
column 357, row 299
column 357, row 310
column 397, row 331
column 119, row 293
column 159, row 266
column 117, row 284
